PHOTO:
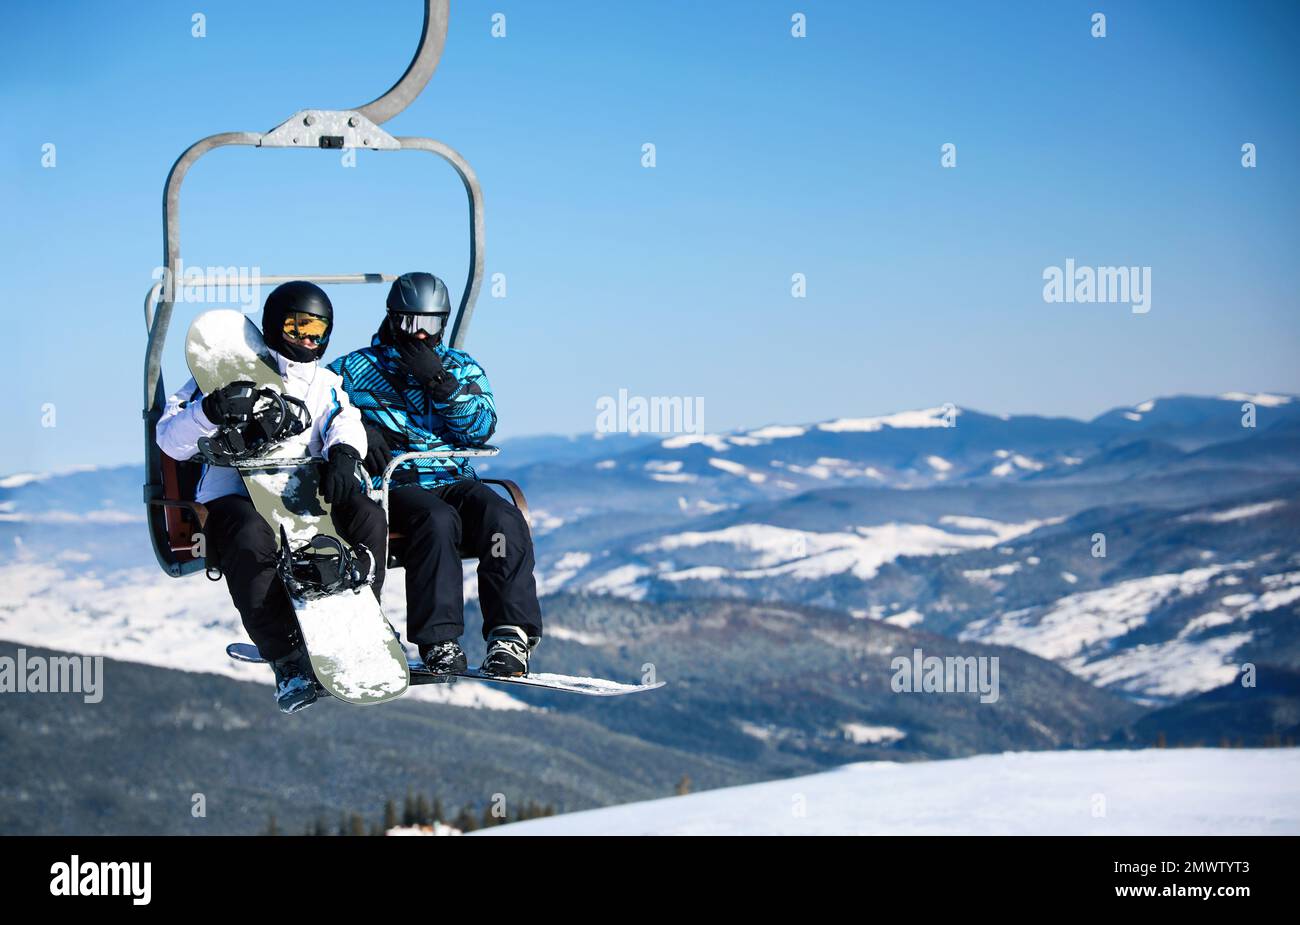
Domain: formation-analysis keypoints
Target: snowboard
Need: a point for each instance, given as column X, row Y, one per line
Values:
column 350, row 643
column 592, row 687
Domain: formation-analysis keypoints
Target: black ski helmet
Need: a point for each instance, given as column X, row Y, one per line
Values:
column 418, row 294
column 296, row 296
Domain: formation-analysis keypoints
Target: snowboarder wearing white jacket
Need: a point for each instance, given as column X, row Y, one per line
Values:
column 296, row 324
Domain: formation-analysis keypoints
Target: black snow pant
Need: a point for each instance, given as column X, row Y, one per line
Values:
column 245, row 548
column 463, row 518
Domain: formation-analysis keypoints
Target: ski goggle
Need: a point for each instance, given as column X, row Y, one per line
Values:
column 302, row 326
column 413, row 324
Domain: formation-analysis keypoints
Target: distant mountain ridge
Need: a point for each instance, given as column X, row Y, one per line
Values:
column 905, row 449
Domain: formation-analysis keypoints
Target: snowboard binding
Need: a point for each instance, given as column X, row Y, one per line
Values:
column 277, row 418
column 323, row 567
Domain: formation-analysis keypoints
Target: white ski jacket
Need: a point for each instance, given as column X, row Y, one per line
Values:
column 334, row 420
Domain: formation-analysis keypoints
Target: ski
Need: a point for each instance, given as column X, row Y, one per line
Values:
column 591, row 687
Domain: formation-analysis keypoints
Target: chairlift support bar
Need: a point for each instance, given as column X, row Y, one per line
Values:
column 308, row 128
column 209, row 281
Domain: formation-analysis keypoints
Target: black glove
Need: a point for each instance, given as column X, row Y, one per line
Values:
column 423, row 363
column 338, row 477
column 231, row 403
column 380, row 446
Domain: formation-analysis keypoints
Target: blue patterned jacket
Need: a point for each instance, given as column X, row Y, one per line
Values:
column 386, row 395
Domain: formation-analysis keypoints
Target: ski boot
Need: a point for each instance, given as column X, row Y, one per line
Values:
column 295, row 685
column 507, row 654
column 444, row 658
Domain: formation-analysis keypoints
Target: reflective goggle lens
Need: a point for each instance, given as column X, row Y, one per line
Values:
column 301, row 325
column 413, row 324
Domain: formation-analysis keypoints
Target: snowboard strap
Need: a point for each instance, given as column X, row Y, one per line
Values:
column 280, row 418
column 323, row 567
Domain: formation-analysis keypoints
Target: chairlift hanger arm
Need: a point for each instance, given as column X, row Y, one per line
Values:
column 433, row 37
column 324, row 128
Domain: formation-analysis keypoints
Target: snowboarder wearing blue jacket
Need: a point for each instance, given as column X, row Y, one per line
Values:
column 416, row 394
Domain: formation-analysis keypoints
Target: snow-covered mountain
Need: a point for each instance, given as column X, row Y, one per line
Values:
column 1198, row 573
column 1182, row 596
column 909, row 449
column 982, row 530
column 1191, row 422
column 1151, row 792
column 686, row 475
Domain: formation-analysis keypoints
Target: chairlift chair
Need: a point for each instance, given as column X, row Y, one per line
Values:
column 173, row 516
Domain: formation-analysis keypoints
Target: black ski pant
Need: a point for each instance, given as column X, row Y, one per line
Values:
column 442, row 524
column 246, row 550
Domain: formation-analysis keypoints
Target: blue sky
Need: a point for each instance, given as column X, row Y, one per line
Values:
column 775, row 156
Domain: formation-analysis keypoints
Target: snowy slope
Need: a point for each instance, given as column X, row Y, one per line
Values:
column 695, row 561
column 1152, row 792
column 1079, row 631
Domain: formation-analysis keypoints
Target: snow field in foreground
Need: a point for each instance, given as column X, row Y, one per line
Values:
column 1149, row 792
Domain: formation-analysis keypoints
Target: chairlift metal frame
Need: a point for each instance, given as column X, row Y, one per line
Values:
column 314, row 129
